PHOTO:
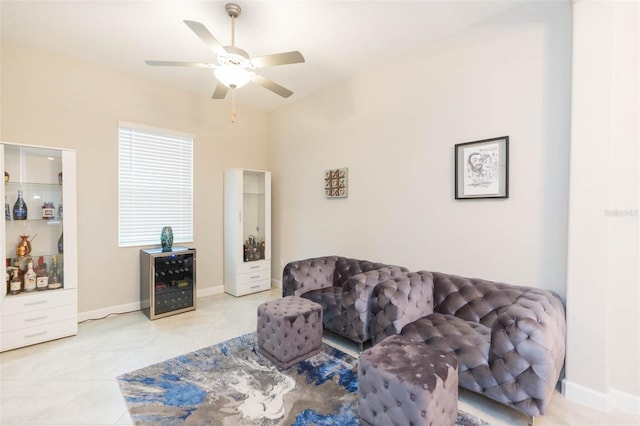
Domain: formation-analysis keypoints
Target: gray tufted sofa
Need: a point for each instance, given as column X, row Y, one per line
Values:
column 509, row 340
column 343, row 287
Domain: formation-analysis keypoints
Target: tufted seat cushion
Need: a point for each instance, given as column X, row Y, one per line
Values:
column 289, row 330
column 406, row 382
column 330, row 299
column 469, row 341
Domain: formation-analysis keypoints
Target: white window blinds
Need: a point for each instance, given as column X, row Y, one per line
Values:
column 156, row 185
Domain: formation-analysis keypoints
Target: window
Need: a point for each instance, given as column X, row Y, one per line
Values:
column 156, row 185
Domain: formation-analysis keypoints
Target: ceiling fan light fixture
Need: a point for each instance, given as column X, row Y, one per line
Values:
column 232, row 75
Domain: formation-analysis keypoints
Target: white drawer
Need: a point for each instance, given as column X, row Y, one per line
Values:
column 253, row 287
column 250, row 277
column 42, row 333
column 256, row 265
column 39, row 317
column 27, row 302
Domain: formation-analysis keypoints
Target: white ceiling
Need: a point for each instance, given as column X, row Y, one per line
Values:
column 337, row 38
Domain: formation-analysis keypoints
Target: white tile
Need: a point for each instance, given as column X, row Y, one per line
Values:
column 101, row 404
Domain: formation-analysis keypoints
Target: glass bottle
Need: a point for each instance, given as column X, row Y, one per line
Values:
column 42, row 280
column 15, row 285
column 20, row 208
column 30, row 278
column 17, row 281
column 54, row 274
column 61, row 243
column 7, row 211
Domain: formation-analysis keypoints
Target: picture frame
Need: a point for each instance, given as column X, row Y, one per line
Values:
column 482, row 169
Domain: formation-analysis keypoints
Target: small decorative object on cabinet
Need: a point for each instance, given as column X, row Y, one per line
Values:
column 27, row 316
column 247, row 231
column 166, row 238
column 20, row 208
column 167, row 281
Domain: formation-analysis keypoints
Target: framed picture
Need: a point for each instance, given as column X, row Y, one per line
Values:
column 482, row 169
column 335, row 183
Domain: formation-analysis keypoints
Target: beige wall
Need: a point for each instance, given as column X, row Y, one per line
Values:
column 54, row 101
column 603, row 286
column 395, row 127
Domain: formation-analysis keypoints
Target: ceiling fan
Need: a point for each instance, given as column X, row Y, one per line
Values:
column 234, row 67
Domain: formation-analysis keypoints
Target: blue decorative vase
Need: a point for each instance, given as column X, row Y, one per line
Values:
column 166, row 238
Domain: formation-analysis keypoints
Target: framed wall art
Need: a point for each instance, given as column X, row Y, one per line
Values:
column 482, row 169
column 336, row 183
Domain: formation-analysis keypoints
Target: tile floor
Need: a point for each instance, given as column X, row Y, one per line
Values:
column 72, row 381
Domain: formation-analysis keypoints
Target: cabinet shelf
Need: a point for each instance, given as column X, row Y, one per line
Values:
column 18, row 185
column 27, row 294
column 10, row 222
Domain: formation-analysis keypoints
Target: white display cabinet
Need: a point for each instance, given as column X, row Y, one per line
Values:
column 247, row 231
column 46, row 177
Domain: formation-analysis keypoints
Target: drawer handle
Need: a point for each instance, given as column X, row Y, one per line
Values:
column 254, row 267
column 39, row 302
column 257, row 276
column 255, row 286
column 42, row 333
column 40, row 318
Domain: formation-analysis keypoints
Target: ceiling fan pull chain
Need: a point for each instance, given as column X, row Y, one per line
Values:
column 233, row 106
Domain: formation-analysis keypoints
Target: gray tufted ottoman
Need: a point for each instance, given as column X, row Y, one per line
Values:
column 289, row 330
column 405, row 382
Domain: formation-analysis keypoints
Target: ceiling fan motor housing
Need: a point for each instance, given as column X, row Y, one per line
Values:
column 235, row 56
column 233, row 10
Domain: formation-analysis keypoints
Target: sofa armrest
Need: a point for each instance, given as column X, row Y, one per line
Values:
column 302, row 276
column 527, row 348
column 399, row 301
column 356, row 300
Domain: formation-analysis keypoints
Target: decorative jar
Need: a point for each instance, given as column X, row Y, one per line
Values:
column 24, row 246
column 166, row 238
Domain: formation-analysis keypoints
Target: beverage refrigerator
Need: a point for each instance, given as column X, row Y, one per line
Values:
column 167, row 281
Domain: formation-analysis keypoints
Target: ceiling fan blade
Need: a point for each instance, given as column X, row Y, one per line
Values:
column 270, row 85
column 220, row 92
column 204, row 34
column 179, row 64
column 285, row 58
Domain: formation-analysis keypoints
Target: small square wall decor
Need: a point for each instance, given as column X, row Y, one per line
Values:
column 335, row 183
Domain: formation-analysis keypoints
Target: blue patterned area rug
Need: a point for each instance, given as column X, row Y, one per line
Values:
column 231, row 383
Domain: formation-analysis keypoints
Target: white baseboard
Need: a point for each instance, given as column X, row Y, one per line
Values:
column 105, row 312
column 209, row 291
column 605, row 402
column 626, row 402
column 585, row 396
column 135, row 306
